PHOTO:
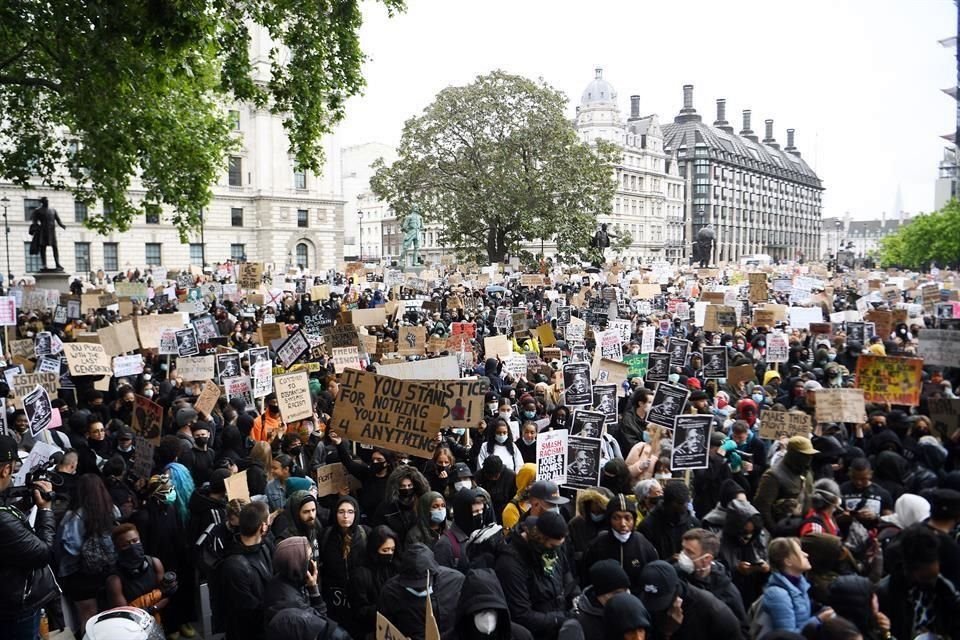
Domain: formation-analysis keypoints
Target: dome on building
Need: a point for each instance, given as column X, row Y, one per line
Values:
column 599, row 91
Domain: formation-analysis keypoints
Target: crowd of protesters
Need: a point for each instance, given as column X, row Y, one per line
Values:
column 848, row 531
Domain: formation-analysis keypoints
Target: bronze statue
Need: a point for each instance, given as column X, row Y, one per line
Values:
column 43, row 227
column 411, row 226
column 704, row 245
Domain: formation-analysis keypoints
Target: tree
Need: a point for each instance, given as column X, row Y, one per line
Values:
column 931, row 238
column 95, row 92
column 497, row 163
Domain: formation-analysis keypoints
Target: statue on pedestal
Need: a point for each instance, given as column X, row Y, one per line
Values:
column 600, row 243
column 411, row 226
column 43, row 227
column 704, row 246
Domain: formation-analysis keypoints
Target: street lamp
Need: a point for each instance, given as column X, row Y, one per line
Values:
column 839, row 226
column 360, row 242
column 6, row 201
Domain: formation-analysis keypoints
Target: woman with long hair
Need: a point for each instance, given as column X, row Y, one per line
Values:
column 383, row 549
column 342, row 552
column 86, row 555
column 260, row 462
column 438, row 470
column 500, row 444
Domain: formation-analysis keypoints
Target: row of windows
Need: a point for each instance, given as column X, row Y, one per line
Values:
column 111, row 255
column 235, row 174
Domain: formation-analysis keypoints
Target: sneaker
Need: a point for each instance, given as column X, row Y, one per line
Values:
column 188, row 631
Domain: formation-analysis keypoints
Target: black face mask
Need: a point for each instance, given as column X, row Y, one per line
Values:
column 377, row 467
column 133, row 559
column 201, row 442
column 273, row 410
column 295, row 451
column 406, row 495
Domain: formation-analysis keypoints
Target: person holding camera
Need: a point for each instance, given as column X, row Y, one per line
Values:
column 25, row 554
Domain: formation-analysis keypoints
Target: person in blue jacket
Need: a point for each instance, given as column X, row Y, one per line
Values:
column 785, row 598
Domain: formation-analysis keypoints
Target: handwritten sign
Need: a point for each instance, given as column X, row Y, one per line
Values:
column 208, row 397
column 399, row 415
column 262, row 375
column 196, row 368
column 293, row 396
column 87, row 359
column 777, row 424
column 889, row 379
column 346, row 358
column 251, row 275
column 939, row 347
column 147, row 419
column 840, row 405
column 331, row 478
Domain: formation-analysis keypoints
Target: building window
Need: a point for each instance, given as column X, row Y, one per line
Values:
column 153, row 254
column 235, row 120
column 299, row 179
column 302, row 255
column 111, row 261
column 238, row 252
column 79, row 212
column 153, row 214
column 196, row 254
column 33, row 263
column 236, row 217
column 29, row 204
column 235, row 172
column 81, row 252
column 303, row 218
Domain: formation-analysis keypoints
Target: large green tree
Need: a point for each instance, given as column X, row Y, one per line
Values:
column 927, row 239
column 93, row 92
column 497, row 163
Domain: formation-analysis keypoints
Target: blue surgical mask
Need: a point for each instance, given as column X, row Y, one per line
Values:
column 757, row 397
column 458, row 432
column 438, row 515
column 831, row 357
column 598, row 517
column 172, row 496
column 529, row 415
column 501, row 438
column 419, row 594
column 721, row 381
column 674, row 378
column 646, row 437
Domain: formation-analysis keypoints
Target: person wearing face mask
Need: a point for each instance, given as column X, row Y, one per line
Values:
column 527, row 443
column 439, row 471
column 244, row 574
column 432, row 520
column 500, row 444
column 403, row 597
column 696, row 565
column 780, row 492
column 621, row 542
column 269, row 422
column 665, row 525
column 125, row 447
column 368, row 579
column 529, row 410
column 498, row 482
column 470, row 513
column 649, row 493
column 138, row 580
column 292, row 445
column 482, row 610
column 404, row 486
column 200, row 457
column 590, row 521
column 373, row 476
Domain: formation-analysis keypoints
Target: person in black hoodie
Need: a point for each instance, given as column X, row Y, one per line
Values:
column 499, row 482
column 373, row 476
column 482, row 611
column 208, row 504
column 491, row 369
column 743, row 549
column 681, row 611
column 300, row 517
column 470, row 512
column 621, row 543
column 665, row 525
column 342, row 551
column 696, row 565
column 404, row 487
column 607, row 579
column 304, row 624
column 244, row 574
column 624, row 615
column 369, row 578
column 295, row 581
column 590, row 522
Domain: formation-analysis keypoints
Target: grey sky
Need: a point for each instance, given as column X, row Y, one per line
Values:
column 859, row 80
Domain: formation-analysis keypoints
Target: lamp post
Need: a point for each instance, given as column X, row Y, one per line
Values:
column 360, row 241
column 839, row 226
column 6, row 226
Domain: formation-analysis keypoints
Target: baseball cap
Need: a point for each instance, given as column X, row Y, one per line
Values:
column 547, row 491
column 801, row 444
column 8, row 450
column 660, row 585
column 185, row 416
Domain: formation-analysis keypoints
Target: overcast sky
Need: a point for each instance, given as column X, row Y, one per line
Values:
column 860, row 80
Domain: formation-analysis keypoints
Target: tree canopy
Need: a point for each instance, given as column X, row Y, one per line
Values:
column 94, row 92
column 497, row 163
column 927, row 239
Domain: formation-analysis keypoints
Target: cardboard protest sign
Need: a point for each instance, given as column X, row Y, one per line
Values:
column 668, row 403
column 552, row 455
column 208, row 397
column 412, row 341
column 250, row 275
column 740, row 373
column 386, row 630
column 87, row 359
column 584, row 457
column 22, row 348
column 118, row 339
column 714, row 362
column 124, row 366
column 142, row 458
column 840, row 405
column 939, row 347
column 24, row 383
column 293, row 396
column 777, row 424
column 196, row 368
column 149, row 328
column 497, row 346
column 764, row 318
column 587, row 424
column 399, row 415
column 531, row 280
column 945, row 414
column 147, row 419
column 345, row 358
column 778, row 348
column 463, row 402
column 376, row 317
column 758, row 287
column 445, row 368
column 577, row 384
column 720, row 317
column 613, row 372
column 691, row 441
column 889, row 379
column 36, row 405
column 237, row 487
column 332, row 478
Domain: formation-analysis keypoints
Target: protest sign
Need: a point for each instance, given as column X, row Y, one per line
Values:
column 399, row 415
column 740, row 373
column 714, row 362
column 889, row 379
column 250, row 275
column 293, row 396
column 412, row 341
column 131, row 290
column 552, row 455
column 577, row 384
column 187, row 343
column 386, row 630
column 612, row 372
column 575, row 330
column 502, row 320
column 777, row 424
column 605, row 401
column 445, row 368
column 239, row 387
column 515, row 365
column 228, row 366
column 376, row 317
column 22, row 348
column 668, row 403
column 610, row 345
column 758, row 287
column 778, row 348
column 637, row 364
column 720, row 317
column 801, row 317
column 270, row 331
column 128, row 365
column 648, row 339
column 497, row 346
column 118, row 339
column 294, row 347
column 142, row 465
column 149, row 328
column 87, row 359
column 659, row 367
column 764, row 318
column 586, row 423
column 237, row 487
column 691, row 440
column 584, row 457
column 345, row 358
column 332, row 478
column 840, row 405
column 678, row 349
column 36, row 404
column 8, row 311
column 545, row 335
column 945, row 414
column 196, row 368
column 208, row 397
column 262, row 378
column 939, row 347
column 168, row 342
column 24, row 383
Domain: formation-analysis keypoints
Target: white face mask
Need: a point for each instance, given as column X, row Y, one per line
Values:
column 622, row 537
column 462, row 484
column 685, row 563
column 501, row 439
column 148, row 393
column 485, row 621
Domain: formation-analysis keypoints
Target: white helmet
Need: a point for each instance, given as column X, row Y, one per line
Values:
column 123, row 623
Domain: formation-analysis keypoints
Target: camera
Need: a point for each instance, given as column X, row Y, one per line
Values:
column 43, row 472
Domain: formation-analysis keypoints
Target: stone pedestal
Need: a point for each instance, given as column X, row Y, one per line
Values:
column 416, row 269
column 57, row 280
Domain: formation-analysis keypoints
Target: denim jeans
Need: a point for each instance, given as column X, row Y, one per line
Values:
column 26, row 626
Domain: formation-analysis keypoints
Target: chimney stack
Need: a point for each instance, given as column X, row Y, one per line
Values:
column 768, row 138
column 747, row 132
column 688, row 98
column 598, row 73
column 721, row 122
column 790, row 146
column 634, row 107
